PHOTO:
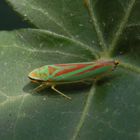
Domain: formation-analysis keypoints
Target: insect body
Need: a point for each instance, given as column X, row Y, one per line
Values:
column 52, row 75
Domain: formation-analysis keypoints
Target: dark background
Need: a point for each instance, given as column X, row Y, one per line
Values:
column 9, row 19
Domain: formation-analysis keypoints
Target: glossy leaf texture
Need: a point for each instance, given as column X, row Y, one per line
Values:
column 72, row 31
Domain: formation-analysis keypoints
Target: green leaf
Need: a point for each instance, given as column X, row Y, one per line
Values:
column 72, row 31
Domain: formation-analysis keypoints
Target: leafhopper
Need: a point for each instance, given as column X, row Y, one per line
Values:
column 56, row 74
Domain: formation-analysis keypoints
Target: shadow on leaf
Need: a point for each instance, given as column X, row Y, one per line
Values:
column 73, row 88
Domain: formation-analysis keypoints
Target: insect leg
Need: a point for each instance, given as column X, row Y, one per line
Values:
column 40, row 87
column 86, row 82
column 53, row 87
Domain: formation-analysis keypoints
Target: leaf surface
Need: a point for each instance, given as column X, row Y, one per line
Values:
column 72, row 31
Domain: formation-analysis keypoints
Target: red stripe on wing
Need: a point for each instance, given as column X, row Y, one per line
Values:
column 67, row 69
column 93, row 68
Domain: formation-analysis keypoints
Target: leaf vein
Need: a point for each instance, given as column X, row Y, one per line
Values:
column 84, row 113
column 99, row 33
column 121, row 26
column 18, row 116
column 130, row 67
column 33, row 50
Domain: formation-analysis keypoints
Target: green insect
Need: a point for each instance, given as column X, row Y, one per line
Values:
column 52, row 75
